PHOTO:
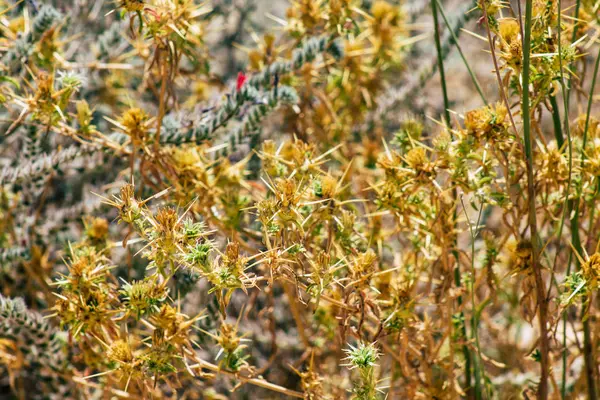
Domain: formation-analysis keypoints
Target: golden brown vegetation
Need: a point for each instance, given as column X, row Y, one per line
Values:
column 246, row 199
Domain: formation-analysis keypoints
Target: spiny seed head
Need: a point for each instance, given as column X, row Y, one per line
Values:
column 228, row 338
column 416, row 158
column 487, row 120
column 134, row 120
column 364, row 263
column 364, row 356
column 287, row 192
column 232, row 251
column 168, row 319
column 129, row 208
column 120, row 351
column 382, row 9
column 325, row 187
column 509, row 29
column 197, row 256
column 167, row 219
column 312, row 385
column 524, row 249
column 97, row 228
column 127, row 194
column 266, row 209
column 144, row 297
column 133, row 5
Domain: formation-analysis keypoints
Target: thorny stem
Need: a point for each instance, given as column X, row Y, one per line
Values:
column 289, row 292
column 539, row 282
column 253, row 381
column 118, row 393
column 162, row 101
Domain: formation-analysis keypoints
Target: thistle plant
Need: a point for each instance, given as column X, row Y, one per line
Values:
column 363, row 359
column 318, row 199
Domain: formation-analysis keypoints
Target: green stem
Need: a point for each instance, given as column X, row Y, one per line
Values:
column 463, row 327
column 563, row 387
column 477, row 361
column 575, row 29
column 556, row 120
column 568, row 205
column 588, row 354
column 440, row 59
column 539, row 283
column 589, row 109
column 455, row 40
column 590, row 362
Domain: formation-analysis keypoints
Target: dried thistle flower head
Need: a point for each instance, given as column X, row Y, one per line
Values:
column 96, row 228
column 364, row 264
column 419, row 162
column 135, row 124
column 133, row 5
column 325, row 187
column 508, row 29
column 490, row 122
column 142, row 298
column 130, row 209
column 231, row 346
column 120, row 351
column 590, row 270
column 167, row 220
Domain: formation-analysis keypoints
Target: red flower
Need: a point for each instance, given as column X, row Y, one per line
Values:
column 241, row 79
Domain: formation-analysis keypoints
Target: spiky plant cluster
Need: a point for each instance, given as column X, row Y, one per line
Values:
column 316, row 199
column 363, row 359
